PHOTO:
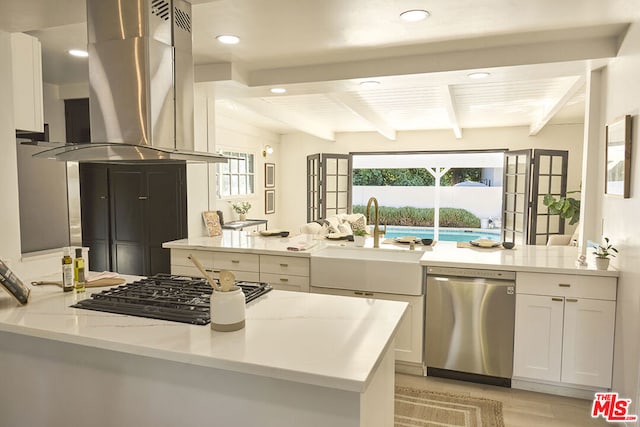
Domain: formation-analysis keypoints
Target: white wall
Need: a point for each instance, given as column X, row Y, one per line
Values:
column 620, row 216
column 296, row 147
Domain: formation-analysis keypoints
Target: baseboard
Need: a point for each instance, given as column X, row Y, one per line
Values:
column 410, row 368
column 578, row 392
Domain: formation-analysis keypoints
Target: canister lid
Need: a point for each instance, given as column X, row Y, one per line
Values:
column 78, row 252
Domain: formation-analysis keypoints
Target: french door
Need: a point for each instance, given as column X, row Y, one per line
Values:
column 328, row 185
column 529, row 175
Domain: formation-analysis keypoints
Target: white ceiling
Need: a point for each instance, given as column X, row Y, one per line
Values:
column 320, row 50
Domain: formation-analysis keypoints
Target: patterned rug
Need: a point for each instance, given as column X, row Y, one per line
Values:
column 423, row 408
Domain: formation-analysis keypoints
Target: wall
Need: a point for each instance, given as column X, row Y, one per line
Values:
column 296, row 147
column 620, row 216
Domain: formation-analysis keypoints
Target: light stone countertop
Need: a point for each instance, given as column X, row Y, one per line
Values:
column 323, row 340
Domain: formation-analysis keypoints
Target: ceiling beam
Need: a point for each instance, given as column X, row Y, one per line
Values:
column 553, row 109
column 450, row 104
column 362, row 109
column 288, row 117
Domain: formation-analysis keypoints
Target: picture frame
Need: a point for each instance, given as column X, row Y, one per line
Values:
column 617, row 181
column 269, row 201
column 269, row 175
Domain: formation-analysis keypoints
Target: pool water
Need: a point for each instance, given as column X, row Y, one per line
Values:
column 446, row 234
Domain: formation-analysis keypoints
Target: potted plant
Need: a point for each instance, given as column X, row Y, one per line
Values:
column 566, row 207
column 359, row 237
column 241, row 209
column 603, row 252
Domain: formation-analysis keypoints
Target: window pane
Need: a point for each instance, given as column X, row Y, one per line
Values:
column 250, row 163
column 234, row 185
column 225, row 186
column 242, row 166
column 242, row 184
column 233, row 165
column 250, row 187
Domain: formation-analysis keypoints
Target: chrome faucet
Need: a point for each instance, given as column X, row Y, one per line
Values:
column 376, row 219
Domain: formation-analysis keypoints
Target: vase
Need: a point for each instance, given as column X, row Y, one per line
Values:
column 243, row 217
column 359, row 240
column 602, row 263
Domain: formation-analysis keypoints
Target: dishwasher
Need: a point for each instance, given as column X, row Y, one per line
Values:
column 469, row 322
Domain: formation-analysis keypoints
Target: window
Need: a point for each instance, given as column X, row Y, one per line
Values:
column 236, row 177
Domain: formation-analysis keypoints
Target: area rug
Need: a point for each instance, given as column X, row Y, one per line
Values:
column 425, row 408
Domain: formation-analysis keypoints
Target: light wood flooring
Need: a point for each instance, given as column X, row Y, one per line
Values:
column 520, row 408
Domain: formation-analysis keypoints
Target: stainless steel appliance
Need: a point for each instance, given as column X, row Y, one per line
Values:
column 166, row 297
column 469, row 324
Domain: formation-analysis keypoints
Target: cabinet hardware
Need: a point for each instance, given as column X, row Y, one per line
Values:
column 235, row 261
column 368, row 294
column 103, row 197
column 571, row 300
column 142, row 197
column 211, row 271
column 564, row 285
column 284, row 265
column 556, row 299
column 358, row 293
column 282, row 279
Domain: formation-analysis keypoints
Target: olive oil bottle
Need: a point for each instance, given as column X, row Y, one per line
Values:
column 67, row 271
column 78, row 271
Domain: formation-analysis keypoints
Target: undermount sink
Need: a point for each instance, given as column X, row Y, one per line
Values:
column 365, row 269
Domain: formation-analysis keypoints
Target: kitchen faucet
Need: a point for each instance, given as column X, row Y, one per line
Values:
column 376, row 219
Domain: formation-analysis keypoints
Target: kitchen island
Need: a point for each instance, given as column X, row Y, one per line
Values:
column 302, row 360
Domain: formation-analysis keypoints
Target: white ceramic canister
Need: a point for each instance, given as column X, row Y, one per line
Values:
column 227, row 310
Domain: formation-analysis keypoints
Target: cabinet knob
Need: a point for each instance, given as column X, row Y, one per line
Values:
column 556, row 299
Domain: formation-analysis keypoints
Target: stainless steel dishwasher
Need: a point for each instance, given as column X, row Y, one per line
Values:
column 470, row 317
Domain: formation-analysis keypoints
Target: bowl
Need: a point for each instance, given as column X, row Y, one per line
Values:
column 284, row 234
column 427, row 242
column 508, row 245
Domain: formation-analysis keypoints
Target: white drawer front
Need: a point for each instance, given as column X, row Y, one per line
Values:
column 287, row 283
column 180, row 270
column 568, row 285
column 180, row 257
column 236, row 261
column 284, row 265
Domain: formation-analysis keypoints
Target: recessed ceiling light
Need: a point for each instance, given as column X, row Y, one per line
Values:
column 79, row 53
column 479, row 75
column 228, row 39
column 278, row 90
column 368, row 84
column 414, row 15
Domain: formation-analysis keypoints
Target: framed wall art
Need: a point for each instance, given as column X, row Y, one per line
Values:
column 269, row 201
column 618, row 158
column 269, row 175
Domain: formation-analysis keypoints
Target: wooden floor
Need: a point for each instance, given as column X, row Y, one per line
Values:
column 520, row 408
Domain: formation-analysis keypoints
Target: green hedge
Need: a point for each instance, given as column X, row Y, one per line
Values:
column 423, row 217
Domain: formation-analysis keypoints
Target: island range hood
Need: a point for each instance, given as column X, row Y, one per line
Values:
column 141, row 85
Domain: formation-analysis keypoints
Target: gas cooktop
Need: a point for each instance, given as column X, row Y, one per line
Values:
column 166, row 297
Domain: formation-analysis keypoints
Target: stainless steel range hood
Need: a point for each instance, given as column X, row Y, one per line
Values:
column 141, row 84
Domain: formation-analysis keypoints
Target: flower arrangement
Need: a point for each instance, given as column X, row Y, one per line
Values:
column 605, row 250
column 241, row 208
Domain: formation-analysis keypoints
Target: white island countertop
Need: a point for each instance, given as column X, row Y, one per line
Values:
column 321, row 340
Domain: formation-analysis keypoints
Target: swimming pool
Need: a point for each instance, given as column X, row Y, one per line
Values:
column 446, row 234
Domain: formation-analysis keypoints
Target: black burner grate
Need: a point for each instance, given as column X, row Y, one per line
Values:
column 166, row 297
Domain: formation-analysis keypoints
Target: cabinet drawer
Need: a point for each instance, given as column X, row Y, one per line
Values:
column 568, row 285
column 181, row 270
column 284, row 265
column 180, row 257
column 236, row 261
column 285, row 282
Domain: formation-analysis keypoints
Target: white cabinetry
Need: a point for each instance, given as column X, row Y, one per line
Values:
column 26, row 60
column 409, row 336
column 564, row 328
column 288, row 273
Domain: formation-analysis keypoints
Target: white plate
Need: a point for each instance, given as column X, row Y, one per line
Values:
column 270, row 232
column 406, row 239
column 336, row 236
column 484, row 243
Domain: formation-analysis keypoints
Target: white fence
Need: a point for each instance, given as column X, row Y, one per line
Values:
column 483, row 202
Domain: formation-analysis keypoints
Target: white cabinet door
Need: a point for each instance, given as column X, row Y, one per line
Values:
column 538, row 337
column 410, row 331
column 587, row 353
column 26, row 60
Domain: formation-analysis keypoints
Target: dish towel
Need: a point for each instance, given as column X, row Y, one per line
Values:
column 303, row 246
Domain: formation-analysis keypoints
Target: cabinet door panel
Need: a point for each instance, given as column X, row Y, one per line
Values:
column 538, row 337
column 587, row 353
